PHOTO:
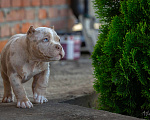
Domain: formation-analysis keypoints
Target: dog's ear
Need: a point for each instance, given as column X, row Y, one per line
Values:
column 52, row 27
column 31, row 30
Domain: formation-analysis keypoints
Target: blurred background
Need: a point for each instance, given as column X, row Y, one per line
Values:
column 75, row 22
column 72, row 19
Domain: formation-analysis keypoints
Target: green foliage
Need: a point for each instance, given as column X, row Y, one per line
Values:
column 106, row 9
column 121, row 57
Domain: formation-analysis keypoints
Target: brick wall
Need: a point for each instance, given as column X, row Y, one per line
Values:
column 17, row 15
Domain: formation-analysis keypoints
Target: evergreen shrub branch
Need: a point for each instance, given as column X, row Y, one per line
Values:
column 121, row 57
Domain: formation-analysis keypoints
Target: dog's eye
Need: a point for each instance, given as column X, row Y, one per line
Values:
column 45, row 40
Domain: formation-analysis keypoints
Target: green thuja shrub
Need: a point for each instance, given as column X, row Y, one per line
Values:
column 121, row 58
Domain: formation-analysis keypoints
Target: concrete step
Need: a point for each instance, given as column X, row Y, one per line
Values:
column 53, row 110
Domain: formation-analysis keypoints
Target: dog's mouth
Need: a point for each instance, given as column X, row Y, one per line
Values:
column 61, row 56
column 45, row 57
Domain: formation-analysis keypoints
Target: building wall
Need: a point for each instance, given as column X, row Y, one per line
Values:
column 17, row 15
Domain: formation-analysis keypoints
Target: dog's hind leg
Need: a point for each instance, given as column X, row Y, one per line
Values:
column 8, row 96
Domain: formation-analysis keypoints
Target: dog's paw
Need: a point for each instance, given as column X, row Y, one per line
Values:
column 7, row 99
column 39, row 98
column 24, row 104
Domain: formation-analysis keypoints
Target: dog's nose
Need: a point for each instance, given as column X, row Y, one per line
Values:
column 58, row 47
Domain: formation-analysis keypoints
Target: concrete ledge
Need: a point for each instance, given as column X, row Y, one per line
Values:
column 56, row 111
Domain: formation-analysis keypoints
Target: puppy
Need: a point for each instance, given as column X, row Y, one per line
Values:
column 26, row 56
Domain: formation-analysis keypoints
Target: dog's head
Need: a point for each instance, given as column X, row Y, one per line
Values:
column 44, row 44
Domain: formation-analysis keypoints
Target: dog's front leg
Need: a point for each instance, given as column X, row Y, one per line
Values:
column 22, row 99
column 39, row 85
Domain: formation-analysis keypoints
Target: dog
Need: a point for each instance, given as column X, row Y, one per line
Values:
column 26, row 56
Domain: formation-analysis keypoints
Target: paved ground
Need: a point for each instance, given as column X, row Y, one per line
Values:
column 69, row 79
column 57, row 111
